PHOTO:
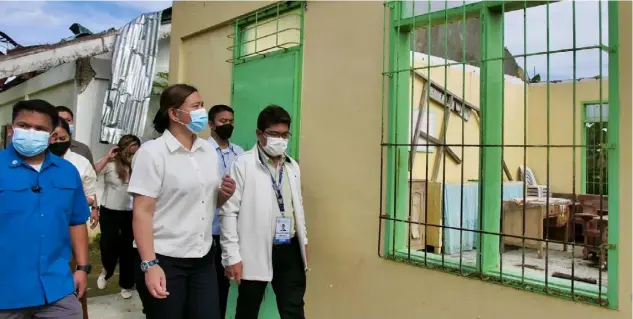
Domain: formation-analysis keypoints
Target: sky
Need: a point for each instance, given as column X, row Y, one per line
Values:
column 37, row 22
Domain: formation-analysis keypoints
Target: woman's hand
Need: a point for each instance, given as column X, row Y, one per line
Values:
column 156, row 282
column 94, row 217
column 112, row 153
column 227, row 188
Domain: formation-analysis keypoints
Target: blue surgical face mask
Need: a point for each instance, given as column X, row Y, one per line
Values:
column 72, row 128
column 30, row 142
column 199, row 120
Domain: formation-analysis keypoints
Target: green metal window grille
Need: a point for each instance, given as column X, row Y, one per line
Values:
column 418, row 224
column 270, row 30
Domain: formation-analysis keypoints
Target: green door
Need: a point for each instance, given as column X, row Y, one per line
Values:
column 257, row 84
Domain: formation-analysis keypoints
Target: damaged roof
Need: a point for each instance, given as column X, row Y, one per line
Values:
column 24, row 62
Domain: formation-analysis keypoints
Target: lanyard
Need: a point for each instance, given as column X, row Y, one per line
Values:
column 276, row 185
column 222, row 154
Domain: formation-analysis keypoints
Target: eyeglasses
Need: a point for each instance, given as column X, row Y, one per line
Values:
column 286, row 135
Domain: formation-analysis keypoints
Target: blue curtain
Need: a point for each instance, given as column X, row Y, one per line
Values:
column 470, row 218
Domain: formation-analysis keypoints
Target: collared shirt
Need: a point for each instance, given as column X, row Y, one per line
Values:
column 36, row 210
column 185, row 185
column 83, row 150
column 86, row 172
column 226, row 157
column 286, row 191
column 115, row 195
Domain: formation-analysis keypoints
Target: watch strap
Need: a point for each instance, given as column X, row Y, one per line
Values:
column 85, row 268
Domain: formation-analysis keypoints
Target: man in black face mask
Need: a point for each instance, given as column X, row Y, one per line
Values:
column 221, row 121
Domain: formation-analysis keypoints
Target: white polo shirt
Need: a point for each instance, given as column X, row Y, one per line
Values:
column 185, row 185
column 87, row 173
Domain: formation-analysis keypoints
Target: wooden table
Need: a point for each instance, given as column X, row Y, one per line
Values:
column 535, row 214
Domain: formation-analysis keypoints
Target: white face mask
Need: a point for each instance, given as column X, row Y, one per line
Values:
column 275, row 146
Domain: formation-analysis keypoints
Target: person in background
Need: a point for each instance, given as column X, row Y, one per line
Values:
column 177, row 185
column 221, row 123
column 77, row 147
column 116, row 215
column 263, row 223
column 43, row 214
column 60, row 146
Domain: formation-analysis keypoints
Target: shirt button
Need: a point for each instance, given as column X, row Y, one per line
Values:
column 42, row 215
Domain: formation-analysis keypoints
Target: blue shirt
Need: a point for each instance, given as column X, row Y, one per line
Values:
column 36, row 210
column 225, row 159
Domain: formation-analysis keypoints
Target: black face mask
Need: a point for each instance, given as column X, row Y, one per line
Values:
column 59, row 148
column 224, row 131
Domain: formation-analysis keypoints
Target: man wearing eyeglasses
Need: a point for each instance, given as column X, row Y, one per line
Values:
column 263, row 223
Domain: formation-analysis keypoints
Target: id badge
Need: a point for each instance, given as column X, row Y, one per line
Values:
column 282, row 230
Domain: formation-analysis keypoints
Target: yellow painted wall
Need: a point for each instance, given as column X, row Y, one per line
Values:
column 341, row 118
column 454, row 79
column 561, row 111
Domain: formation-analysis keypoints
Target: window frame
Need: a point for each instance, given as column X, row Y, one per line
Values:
column 395, row 152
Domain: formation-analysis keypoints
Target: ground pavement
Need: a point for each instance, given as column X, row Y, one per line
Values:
column 115, row 307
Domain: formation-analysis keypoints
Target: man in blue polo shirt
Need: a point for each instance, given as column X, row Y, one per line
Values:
column 43, row 213
column 221, row 123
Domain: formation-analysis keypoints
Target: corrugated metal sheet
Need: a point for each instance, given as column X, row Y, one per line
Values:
column 133, row 67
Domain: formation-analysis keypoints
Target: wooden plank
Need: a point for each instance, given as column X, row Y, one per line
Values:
column 447, row 92
column 507, row 171
column 440, row 154
column 418, row 129
column 436, row 142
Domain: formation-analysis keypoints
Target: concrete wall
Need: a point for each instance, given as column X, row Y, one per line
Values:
column 342, row 81
column 561, row 129
column 55, row 86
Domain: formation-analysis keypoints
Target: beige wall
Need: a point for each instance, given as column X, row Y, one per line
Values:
column 343, row 45
column 561, row 110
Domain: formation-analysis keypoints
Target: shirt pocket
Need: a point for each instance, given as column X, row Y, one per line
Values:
column 17, row 194
column 63, row 195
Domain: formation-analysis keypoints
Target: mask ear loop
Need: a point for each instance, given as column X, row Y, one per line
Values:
column 178, row 120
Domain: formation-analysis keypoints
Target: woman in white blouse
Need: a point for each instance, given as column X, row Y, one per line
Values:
column 116, row 215
column 177, row 187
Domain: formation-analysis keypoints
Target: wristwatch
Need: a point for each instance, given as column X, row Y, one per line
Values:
column 85, row 268
column 146, row 265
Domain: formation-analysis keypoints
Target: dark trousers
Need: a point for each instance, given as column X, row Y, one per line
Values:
column 192, row 287
column 223, row 282
column 289, row 284
column 116, row 242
